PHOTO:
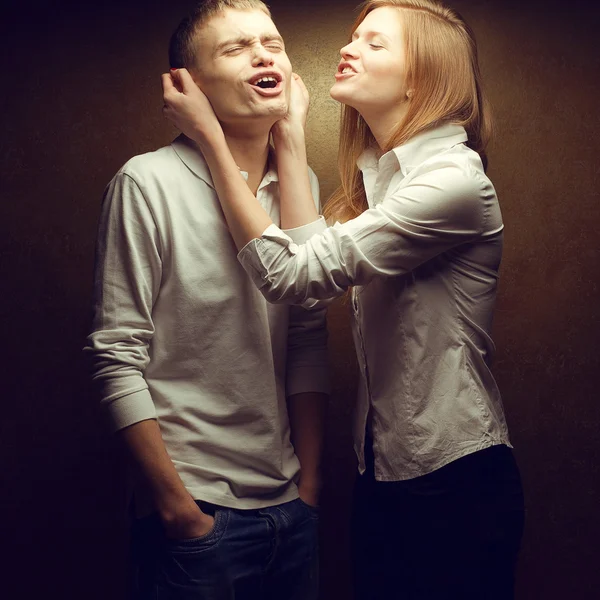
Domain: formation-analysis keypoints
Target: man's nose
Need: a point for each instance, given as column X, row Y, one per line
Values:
column 262, row 57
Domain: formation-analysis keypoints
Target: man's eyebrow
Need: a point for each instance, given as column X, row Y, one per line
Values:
column 271, row 37
column 245, row 40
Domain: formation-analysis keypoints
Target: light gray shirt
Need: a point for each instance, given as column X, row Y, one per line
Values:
column 182, row 335
column 423, row 262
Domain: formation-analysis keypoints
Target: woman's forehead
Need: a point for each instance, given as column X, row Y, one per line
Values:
column 386, row 20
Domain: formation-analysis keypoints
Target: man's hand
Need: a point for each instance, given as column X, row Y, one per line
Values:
column 297, row 111
column 181, row 516
column 186, row 521
column 309, row 493
column 188, row 108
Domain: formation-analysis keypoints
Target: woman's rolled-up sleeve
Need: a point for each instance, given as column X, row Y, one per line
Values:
column 435, row 212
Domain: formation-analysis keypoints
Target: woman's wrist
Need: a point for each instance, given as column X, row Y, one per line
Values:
column 286, row 129
column 209, row 140
column 290, row 139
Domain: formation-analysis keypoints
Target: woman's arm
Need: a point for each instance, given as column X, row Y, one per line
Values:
column 438, row 210
column 297, row 203
column 445, row 205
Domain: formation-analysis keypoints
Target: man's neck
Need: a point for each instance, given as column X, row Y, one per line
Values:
column 250, row 150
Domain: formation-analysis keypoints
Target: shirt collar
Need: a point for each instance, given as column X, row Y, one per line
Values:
column 417, row 150
column 271, row 175
column 189, row 153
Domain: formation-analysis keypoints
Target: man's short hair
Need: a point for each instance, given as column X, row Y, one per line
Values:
column 182, row 47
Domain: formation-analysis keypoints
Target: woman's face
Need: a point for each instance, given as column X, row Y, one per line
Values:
column 371, row 74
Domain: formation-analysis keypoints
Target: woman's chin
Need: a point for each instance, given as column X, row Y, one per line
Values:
column 339, row 96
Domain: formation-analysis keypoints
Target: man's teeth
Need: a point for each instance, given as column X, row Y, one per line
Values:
column 266, row 80
column 347, row 70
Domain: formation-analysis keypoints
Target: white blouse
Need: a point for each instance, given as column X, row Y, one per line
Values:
column 423, row 261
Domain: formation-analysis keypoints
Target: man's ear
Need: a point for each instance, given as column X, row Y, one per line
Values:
column 196, row 77
column 194, row 73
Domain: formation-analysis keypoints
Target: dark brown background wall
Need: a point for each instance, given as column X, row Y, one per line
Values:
column 81, row 95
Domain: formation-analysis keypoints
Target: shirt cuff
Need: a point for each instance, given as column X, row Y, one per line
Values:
column 301, row 235
column 251, row 255
column 258, row 251
column 130, row 409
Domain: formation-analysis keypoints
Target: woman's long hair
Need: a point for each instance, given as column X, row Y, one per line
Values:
column 442, row 70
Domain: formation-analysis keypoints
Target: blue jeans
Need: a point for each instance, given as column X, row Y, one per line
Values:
column 267, row 554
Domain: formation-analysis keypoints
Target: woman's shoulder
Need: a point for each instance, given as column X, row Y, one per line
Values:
column 459, row 170
column 454, row 182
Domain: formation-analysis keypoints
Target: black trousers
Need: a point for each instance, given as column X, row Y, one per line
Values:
column 453, row 534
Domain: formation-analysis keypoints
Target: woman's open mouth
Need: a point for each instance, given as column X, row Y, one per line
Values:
column 344, row 71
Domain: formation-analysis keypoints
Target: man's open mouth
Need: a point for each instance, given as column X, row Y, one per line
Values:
column 266, row 81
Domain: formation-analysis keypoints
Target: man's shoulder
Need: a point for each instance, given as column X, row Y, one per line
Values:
column 150, row 165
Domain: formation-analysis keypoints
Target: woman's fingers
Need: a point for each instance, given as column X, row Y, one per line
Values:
column 185, row 79
column 169, row 90
column 167, row 85
column 299, row 83
column 187, row 107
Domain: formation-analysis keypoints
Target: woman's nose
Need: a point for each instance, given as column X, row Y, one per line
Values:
column 348, row 51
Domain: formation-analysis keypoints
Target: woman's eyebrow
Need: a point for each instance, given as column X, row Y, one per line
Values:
column 369, row 34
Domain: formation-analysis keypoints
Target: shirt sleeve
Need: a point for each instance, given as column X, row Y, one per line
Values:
column 307, row 360
column 127, row 277
column 435, row 212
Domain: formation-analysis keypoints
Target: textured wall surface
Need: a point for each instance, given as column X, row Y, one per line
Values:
column 81, row 95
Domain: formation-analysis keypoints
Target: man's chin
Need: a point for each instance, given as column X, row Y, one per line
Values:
column 257, row 118
column 272, row 111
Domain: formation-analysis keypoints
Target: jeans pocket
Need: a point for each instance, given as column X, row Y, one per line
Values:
column 313, row 511
column 205, row 541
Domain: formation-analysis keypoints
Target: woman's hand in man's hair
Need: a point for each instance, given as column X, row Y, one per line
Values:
column 188, row 108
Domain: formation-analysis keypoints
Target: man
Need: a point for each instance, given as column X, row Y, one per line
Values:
column 192, row 364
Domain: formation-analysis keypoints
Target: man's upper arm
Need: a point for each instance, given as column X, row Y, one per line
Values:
column 307, row 364
column 307, row 360
column 127, row 278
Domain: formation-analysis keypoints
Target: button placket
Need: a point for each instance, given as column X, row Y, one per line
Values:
column 363, row 351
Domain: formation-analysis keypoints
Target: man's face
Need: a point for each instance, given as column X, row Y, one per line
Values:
column 242, row 67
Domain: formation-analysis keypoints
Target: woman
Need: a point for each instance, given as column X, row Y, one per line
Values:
column 438, row 505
